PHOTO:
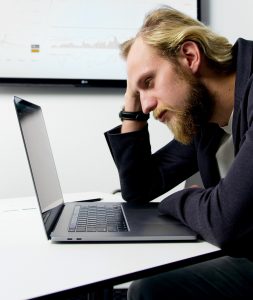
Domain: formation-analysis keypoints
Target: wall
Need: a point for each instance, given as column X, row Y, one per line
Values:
column 76, row 119
column 231, row 18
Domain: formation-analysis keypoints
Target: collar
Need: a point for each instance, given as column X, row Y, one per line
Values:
column 228, row 128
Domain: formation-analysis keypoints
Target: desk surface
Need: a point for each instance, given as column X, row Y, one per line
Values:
column 32, row 266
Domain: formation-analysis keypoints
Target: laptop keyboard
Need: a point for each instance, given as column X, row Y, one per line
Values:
column 98, row 218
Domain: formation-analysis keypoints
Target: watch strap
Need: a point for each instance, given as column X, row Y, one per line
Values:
column 133, row 115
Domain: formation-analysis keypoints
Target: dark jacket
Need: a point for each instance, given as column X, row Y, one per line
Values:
column 222, row 212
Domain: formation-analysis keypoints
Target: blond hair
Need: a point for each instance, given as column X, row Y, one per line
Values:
column 166, row 29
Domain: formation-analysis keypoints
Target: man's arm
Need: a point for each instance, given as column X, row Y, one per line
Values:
column 143, row 175
column 222, row 215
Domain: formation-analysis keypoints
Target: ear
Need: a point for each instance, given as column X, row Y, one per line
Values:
column 190, row 56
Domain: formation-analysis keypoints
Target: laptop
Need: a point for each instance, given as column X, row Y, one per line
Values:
column 86, row 221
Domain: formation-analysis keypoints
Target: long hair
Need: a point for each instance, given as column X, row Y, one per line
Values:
column 166, row 29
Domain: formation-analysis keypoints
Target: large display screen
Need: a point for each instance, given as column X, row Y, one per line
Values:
column 71, row 41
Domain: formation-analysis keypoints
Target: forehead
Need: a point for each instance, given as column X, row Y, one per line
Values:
column 140, row 46
column 142, row 59
column 140, row 54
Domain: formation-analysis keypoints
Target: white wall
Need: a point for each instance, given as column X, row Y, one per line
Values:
column 231, row 18
column 76, row 119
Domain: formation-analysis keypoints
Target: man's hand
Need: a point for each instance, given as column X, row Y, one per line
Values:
column 132, row 104
column 195, row 186
column 132, row 99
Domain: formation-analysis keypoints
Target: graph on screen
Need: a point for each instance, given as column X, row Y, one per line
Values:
column 71, row 39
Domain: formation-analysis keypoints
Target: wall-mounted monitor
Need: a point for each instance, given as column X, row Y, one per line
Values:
column 71, row 41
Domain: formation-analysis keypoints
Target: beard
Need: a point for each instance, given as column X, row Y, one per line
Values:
column 198, row 108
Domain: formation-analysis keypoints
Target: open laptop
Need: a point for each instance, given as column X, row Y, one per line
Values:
column 85, row 221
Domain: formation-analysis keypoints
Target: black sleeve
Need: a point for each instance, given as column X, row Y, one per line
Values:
column 143, row 175
column 222, row 215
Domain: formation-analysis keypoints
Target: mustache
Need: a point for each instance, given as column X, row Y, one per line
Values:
column 160, row 110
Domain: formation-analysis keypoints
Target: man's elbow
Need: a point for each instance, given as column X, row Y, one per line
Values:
column 135, row 198
column 229, row 238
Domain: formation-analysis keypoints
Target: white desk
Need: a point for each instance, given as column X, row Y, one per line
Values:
column 31, row 266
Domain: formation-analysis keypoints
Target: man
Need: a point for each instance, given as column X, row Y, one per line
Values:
column 201, row 87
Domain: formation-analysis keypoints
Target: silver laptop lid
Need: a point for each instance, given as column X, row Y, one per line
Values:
column 41, row 161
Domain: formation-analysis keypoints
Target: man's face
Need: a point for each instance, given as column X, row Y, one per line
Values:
column 176, row 97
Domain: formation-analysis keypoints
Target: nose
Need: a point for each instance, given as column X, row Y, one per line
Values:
column 148, row 102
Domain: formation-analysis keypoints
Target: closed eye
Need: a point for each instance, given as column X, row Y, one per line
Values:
column 148, row 82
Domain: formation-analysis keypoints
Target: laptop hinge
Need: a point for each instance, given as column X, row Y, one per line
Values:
column 52, row 218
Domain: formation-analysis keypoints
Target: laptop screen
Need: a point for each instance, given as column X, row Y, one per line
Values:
column 39, row 153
